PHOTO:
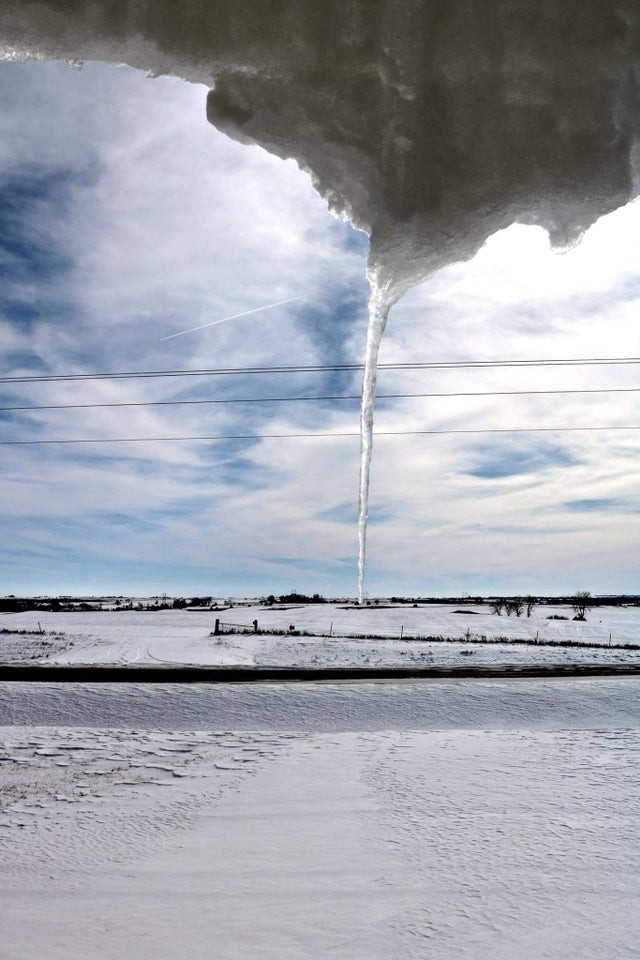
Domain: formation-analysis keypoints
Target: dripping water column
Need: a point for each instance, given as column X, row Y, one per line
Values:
column 379, row 306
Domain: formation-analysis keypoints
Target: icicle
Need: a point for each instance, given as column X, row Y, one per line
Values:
column 378, row 312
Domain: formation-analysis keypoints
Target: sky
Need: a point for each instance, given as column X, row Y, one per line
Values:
column 125, row 218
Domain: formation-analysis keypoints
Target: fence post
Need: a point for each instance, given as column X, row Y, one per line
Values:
column 537, row 632
column 467, row 633
column 216, row 629
column 401, row 631
column 331, row 629
column 255, row 626
column 609, row 639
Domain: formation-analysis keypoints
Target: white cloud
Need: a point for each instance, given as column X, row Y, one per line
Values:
column 166, row 224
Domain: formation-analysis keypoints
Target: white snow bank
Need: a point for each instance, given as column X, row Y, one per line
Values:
column 600, row 704
column 451, row 844
column 428, row 123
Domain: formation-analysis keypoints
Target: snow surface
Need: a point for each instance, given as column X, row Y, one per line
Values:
column 328, row 708
column 514, row 834
column 184, row 636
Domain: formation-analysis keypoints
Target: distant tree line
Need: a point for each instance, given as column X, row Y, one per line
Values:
column 180, row 603
column 580, row 602
column 294, row 597
column 55, row 605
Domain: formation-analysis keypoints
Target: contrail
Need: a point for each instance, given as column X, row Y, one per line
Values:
column 234, row 317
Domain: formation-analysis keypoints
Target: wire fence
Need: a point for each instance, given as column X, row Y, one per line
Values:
column 226, row 627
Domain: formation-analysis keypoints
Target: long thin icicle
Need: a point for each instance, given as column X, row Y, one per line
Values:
column 378, row 313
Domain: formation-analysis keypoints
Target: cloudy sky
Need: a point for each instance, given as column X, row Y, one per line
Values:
column 125, row 218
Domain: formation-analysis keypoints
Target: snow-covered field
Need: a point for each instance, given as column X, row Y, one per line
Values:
column 184, row 636
column 371, row 822
column 377, row 821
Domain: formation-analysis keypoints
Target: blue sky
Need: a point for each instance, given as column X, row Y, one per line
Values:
column 125, row 217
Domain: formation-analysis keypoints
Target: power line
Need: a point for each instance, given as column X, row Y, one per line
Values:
column 318, row 368
column 315, row 436
column 382, row 396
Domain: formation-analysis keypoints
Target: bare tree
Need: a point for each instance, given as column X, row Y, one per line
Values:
column 514, row 605
column 530, row 603
column 581, row 604
column 497, row 606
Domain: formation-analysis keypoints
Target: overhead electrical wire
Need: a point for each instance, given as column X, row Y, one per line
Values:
column 317, row 368
column 382, row 396
column 315, row 436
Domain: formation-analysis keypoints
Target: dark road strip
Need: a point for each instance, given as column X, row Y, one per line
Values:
column 172, row 673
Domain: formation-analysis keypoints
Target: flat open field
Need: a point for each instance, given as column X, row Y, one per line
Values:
column 185, row 636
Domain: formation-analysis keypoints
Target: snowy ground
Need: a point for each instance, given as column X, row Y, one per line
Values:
column 358, row 821
column 184, row 636
column 371, row 822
